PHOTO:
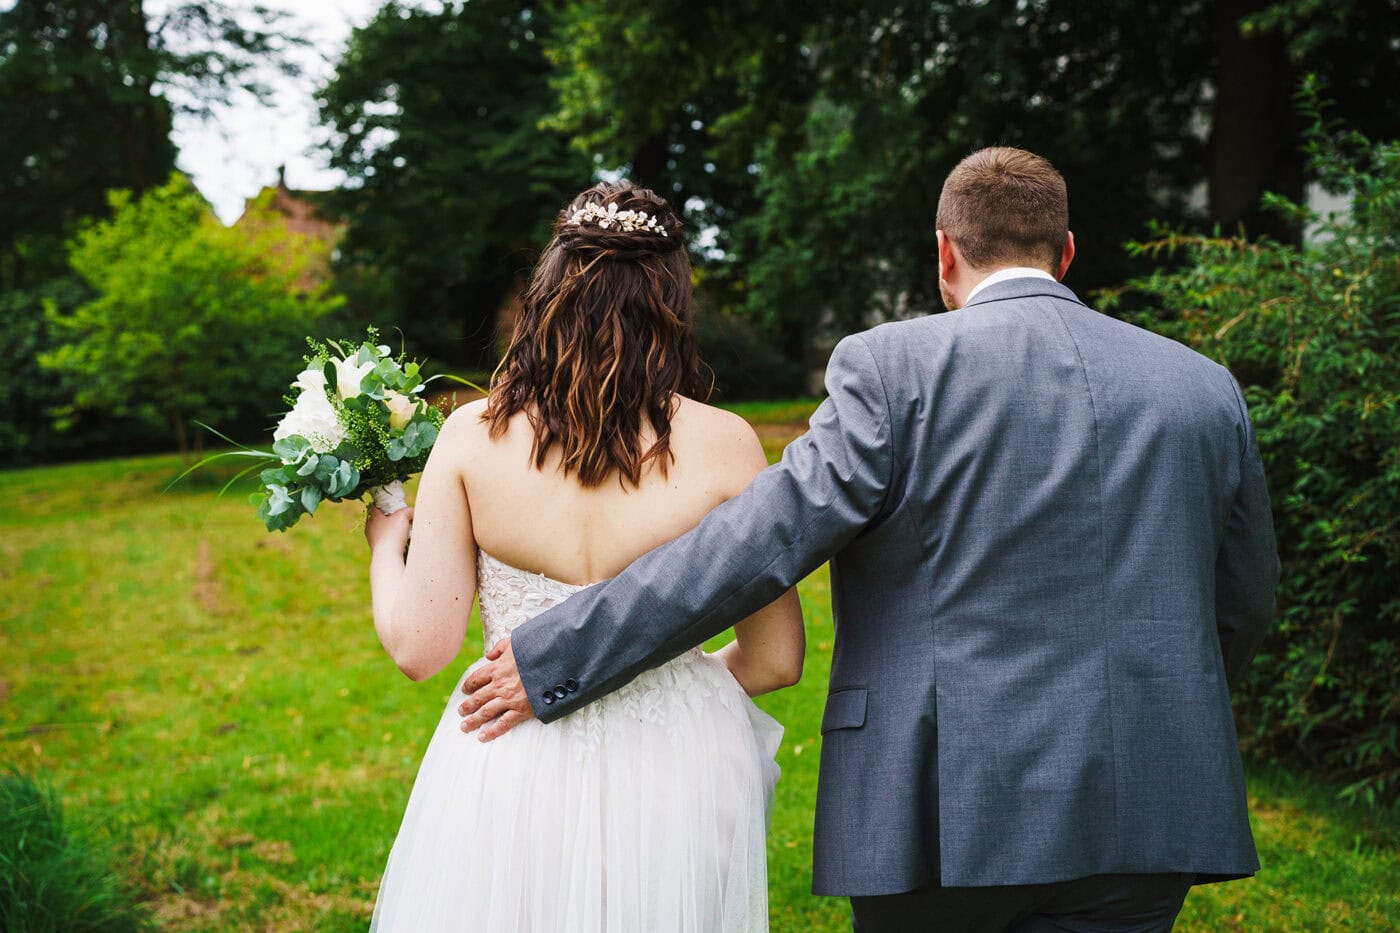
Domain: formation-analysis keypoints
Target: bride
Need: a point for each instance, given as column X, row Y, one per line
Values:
column 645, row 811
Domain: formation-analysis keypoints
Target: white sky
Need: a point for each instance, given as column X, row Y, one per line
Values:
column 232, row 157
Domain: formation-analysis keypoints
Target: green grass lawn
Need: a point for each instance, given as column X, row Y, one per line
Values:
column 213, row 699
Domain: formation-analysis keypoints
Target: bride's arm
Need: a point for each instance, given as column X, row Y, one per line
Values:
column 421, row 608
column 769, row 646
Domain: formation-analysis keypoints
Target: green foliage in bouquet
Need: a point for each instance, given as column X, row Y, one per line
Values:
column 1311, row 333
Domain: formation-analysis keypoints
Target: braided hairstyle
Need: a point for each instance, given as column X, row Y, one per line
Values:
column 603, row 345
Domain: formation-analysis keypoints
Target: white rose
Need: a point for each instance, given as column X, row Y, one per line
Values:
column 313, row 378
column 401, row 409
column 312, row 417
column 348, row 376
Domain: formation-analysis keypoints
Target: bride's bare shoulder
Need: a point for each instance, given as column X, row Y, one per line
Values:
column 465, row 431
column 465, row 420
column 726, row 441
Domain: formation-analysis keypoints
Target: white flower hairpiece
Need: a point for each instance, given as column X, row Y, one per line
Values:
column 626, row 221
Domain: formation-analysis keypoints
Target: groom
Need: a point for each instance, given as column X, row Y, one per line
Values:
column 1051, row 558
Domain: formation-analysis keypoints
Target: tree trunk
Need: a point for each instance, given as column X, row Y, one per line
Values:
column 649, row 165
column 182, row 435
column 1254, row 140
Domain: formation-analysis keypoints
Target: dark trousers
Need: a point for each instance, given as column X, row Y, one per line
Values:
column 1097, row 904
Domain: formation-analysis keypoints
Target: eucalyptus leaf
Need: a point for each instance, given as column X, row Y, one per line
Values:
column 325, row 467
column 291, row 449
column 279, row 500
column 344, row 479
column 309, row 465
column 310, row 498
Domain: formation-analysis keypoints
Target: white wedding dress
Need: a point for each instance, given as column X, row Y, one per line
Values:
column 643, row 812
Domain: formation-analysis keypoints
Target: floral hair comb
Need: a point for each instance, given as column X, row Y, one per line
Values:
column 609, row 217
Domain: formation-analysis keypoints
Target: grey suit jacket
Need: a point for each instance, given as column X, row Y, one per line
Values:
column 1051, row 554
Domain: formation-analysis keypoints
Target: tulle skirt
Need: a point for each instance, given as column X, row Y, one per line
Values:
column 645, row 811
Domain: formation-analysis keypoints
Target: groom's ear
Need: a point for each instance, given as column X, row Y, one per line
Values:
column 1066, row 257
column 946, row 257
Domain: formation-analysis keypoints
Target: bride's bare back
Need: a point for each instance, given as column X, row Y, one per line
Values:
column 549, row 523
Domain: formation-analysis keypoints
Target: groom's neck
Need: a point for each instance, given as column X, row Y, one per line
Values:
column 975, row 280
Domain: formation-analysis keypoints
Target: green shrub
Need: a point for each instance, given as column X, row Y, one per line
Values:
column 190, row 320
column 49, row 880
column 29, row 395
column 1311, row 333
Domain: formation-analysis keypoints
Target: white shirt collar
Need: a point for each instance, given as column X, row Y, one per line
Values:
column 1003, row 275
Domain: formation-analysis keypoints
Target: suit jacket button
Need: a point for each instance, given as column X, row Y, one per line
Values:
column 548, row 698
column 560, row 692
column 571, row 686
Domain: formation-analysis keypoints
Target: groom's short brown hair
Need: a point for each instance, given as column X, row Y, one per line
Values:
column 1005, row 206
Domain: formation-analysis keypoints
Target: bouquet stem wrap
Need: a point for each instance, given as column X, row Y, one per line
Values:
column 389, row 498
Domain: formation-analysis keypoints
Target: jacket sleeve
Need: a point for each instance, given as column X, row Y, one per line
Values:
column 1247, row 566
column 829, row 485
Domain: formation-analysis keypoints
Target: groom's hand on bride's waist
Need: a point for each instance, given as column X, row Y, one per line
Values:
column 496, row 702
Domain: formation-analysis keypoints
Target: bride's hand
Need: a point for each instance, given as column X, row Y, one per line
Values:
column 388, row 530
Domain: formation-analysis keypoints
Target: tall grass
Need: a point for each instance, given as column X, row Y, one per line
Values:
column 50, row 878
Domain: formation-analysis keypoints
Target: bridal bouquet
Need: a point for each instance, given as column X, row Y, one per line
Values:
column 357, row 425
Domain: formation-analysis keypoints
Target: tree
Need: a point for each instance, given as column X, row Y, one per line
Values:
column 28, row 393
column 191, row 320
column 1261, row 49
column 87, row 93
column 454, row 183
column 1310, row 333
column 816, row 139
column 835, row 127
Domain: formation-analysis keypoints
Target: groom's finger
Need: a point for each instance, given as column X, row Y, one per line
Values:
column 499, row 727
column 479, row 698
column 484, row 715
column 479, row 678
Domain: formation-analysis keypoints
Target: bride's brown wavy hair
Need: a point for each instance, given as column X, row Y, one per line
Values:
column 603, row 345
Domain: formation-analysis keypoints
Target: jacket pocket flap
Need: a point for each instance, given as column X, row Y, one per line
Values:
column 845, row 709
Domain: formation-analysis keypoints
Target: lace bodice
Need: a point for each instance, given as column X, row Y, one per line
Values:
column 510, row 596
